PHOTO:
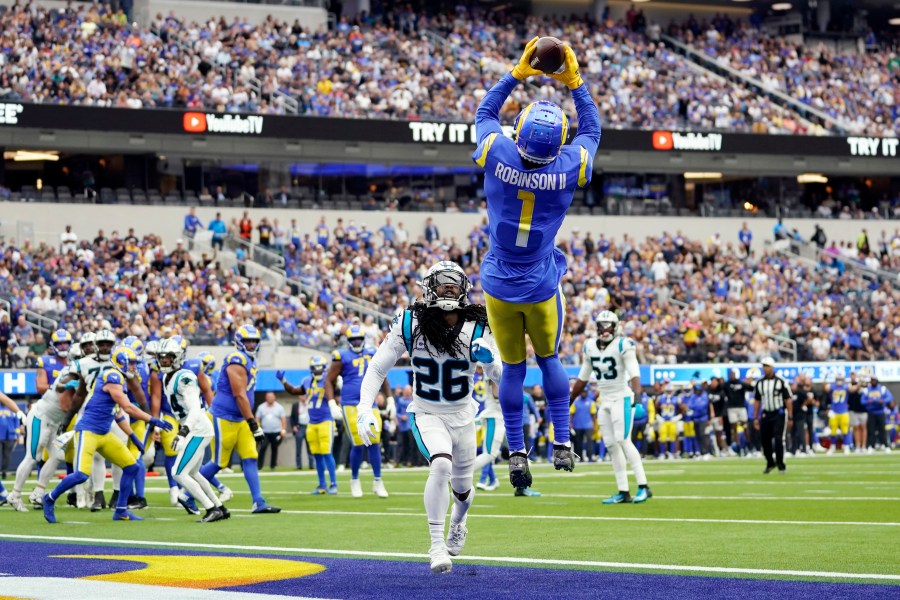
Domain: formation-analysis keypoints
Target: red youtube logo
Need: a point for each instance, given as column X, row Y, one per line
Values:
column 194, row 122
column 662, row 140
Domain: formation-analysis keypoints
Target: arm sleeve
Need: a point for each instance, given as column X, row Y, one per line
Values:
column 585, row 373
column 588, row 119
column 494, row 369
column 189, row 390
column 387, row 355
column 487, row 117
column 632, row 368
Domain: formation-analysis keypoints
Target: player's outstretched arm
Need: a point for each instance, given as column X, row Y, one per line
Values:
column 487, row 117
column 588, row 115
column 387, row 355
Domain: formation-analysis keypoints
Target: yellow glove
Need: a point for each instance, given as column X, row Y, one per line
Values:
column 524, row 70
column 570, row 75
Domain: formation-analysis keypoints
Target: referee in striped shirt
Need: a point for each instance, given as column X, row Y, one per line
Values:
column 774, row 397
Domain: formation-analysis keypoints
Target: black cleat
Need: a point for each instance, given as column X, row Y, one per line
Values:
column 519, row 472
column 563, row 458
column 212, row 514
column 226, row 514
column 769, row 469
column 72, row 499
column 137, row 503
column 114, row 499
column 99, row 502
column 782, row 468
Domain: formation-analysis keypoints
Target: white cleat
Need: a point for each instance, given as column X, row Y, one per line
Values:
column 36, row 499
column 492, row 486
column 456, row 538
column 15, row 500
column 440, row 560
column 706, row 457
column 831, row 451
column 887, row 450
column 355, row 488
column 846, row 450
column 481, row 486
column 173, row 495
column 82, row 499
column 225, row 494
column 378, row 489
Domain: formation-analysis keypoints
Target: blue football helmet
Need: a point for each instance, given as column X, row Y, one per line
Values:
column 640, row 412
column 540, row 131
column 207, row 362
column 135, row 344
column 317, row 367
column 244, row 334
column 124, row 360
column 356, row 338
column 60, row 342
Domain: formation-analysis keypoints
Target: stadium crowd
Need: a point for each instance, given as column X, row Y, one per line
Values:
column 387, row 67
column 683, row 300
column 859, row 89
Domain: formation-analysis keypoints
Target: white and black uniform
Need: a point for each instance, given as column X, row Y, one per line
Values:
column 182, row 391
column 614, row 367
column 494, row 427
column 443, row 410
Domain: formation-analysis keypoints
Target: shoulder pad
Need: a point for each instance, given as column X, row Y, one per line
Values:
column 186, row 377
column 40, row 363
column 336, row 355
column 112, row 376
column 236, row 358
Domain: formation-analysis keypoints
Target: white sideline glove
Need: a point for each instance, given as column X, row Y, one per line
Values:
column 336, row 412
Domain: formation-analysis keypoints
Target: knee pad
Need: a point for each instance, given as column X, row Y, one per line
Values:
column 441, row 466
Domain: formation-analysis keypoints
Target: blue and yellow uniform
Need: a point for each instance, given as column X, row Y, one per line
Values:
column 526, row 207
column 51, row 366
column 353, row 369
column 320, row 431
column 839, row 420
column 231, row 429
column 667, row 411
column 139, row 427
column 92, row 430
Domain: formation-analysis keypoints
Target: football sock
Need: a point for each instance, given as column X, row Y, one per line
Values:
column 170, row 464
column 209, row 471
column 375, row 460
column 492, row 477
column 848, row 439
column 556, row 387
column 619, row 467
column 356, row 458
column 116, row 477
column 68, row 482
column 634, row 459
column 512, row 381
column 139, row 480
column 251, row 474
column 332, row 467
column 128, row 475
column 437, row 501
column 461, row 504
column 320, row 468
column 602, row 451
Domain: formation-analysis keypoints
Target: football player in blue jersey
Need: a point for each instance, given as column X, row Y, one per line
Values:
column 351, row 364
column 50, row 365
column 93, row 433
column 529, row 184
column 322, row 415
column 233, row 421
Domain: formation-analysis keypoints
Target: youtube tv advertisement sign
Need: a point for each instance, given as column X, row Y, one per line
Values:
column 198, row 123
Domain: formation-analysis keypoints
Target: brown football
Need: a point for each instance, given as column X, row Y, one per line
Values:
column 549, row 55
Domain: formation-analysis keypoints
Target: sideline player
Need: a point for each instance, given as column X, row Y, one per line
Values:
column 445, row 337
column 234, row 424
column 494, row 432
column 839, row 414
column 351, row 364
column 194, row 432
column 613, row 361
column 529, row 185
column 322, row 415
column 93, row 432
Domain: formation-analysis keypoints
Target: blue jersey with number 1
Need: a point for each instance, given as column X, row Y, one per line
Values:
column 353, row 368
column 526, row 207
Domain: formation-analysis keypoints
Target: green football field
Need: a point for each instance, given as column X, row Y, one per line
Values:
column 828, row 518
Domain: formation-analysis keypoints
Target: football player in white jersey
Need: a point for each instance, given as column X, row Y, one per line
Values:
column 494, row 431
column 44, row 418
column 446, row 337
column 613, row 361
column 195, row 430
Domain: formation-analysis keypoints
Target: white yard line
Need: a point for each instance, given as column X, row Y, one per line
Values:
column 496, row 559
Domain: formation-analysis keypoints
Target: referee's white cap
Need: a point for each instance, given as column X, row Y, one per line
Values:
column 768, row 361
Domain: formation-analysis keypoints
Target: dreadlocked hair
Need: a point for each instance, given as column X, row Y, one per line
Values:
column 431, row 325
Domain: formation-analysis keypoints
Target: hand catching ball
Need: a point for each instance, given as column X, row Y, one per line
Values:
column 549, row 56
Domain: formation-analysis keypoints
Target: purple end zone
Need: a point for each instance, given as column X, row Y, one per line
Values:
column 368, row 579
